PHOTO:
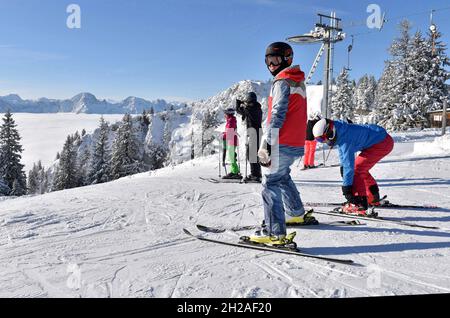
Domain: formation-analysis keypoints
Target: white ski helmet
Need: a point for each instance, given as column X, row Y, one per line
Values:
column 324, row 130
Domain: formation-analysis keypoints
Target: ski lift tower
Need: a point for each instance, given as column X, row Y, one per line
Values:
column 328, row 35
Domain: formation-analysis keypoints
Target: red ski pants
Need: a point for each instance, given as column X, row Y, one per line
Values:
column 363, row 180
column 310, row 152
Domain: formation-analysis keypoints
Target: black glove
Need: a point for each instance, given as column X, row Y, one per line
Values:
column 348, row 193
column 238, row 103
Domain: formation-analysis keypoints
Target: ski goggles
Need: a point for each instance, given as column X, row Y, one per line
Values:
column 274, row 60
column 321, row 139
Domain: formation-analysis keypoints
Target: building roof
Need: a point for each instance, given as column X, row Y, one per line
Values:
column 439, row 111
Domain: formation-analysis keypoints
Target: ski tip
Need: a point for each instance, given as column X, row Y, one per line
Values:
column 187, row 232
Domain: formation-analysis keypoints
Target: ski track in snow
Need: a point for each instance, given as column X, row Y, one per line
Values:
column 125, row 239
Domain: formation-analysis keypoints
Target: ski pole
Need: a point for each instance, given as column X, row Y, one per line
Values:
column 323, row 155
column 246, row 158
column 220, row 168
column 238, row 158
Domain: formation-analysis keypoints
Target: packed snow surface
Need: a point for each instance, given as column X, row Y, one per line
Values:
column 125, row 238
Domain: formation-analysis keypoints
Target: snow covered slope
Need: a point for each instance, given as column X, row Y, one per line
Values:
column 125, row 239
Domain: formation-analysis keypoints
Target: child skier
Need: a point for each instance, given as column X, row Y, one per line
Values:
column 230, row 142
column 285, row 135
column 359, row 187
column 310, row 142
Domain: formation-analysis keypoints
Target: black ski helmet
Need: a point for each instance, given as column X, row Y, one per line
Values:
column 230, row 111
column 251, row 98
column 282, row 50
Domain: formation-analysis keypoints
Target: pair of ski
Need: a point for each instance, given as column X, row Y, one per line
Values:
column 374, row 217
column 217, row 181
column 384, row 205
column 241, row 228
column 261, row 247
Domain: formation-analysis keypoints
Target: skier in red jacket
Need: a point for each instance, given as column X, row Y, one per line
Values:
column 283, row 143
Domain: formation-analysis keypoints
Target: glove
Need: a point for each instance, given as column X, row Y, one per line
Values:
column 238, row 103
column 264, row 154
column 348, row 193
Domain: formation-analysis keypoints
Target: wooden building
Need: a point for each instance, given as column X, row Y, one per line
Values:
column 435, row 118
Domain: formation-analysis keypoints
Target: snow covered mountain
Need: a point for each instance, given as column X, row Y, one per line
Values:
column 83, row 103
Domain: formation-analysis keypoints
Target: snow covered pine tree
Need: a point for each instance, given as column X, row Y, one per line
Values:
column 12, row 177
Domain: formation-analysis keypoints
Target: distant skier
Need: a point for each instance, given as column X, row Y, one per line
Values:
column 285, row 134
column 230, row 142
column 251, row 112
column 359, row 187
column 310, row 142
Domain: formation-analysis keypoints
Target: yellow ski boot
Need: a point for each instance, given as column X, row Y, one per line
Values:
column 303, row 220
column 272, row 240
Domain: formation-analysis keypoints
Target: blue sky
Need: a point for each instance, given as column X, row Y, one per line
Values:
column 178, row 49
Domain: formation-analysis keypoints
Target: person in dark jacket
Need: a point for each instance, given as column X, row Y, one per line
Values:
column 251, row 113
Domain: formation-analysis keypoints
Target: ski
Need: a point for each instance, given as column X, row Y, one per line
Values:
column 251, row 181
column 259, row 247
column 214, row 180
column 375, row 218
column 212, row 229
column 208, row 179
column 321, row 165
column 385, row 205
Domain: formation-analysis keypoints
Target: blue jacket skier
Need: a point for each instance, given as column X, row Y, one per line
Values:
column 359, row 187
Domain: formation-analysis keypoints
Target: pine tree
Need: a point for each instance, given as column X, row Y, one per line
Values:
column 365, row 95
column 125, row 155
column 67, row 173
column 76, row 139
column 11, row 170
column 37, row 179
column 157, row 155
column 416, row 83
column 4, row 189
column 436, row 75
column 209, row 123
column 33, row 184
column 43, row 179
column 83, row 164
column 394, row 113
column 342, row 100
column 383, row 100
column 99, row 172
